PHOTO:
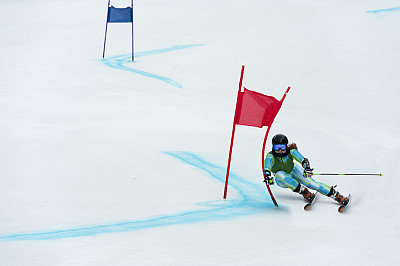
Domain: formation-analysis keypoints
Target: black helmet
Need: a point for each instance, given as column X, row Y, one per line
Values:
column 280, row 139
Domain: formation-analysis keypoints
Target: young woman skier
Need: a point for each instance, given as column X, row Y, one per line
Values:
column 290, row 175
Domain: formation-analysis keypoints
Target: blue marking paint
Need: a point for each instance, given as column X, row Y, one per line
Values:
column 253, row 200
column 384, row 10
column 123, row 62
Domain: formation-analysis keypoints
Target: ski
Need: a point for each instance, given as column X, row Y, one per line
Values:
column 308, row 205
column 343, row 207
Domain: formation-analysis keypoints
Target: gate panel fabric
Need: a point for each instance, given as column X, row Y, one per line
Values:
column 120, row 15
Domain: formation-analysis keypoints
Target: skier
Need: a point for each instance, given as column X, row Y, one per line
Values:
column 290, row 175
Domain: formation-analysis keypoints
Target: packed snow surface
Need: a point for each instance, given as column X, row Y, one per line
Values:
column 114, row 162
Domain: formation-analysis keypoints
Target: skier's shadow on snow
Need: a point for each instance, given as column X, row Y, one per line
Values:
column 253, row 200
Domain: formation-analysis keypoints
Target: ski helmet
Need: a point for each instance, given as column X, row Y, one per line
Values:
column 280, row 139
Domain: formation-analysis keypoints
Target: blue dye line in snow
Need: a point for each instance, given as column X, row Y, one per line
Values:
column 384, row 10
column 123, row 62
column 253, row 200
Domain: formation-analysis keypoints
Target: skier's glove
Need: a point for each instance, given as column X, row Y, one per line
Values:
column 308, row 171
column 268, row 179
column 305, row 163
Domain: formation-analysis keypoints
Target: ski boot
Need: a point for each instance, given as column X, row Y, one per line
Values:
column 308, row 196
column 302, row 190
column 338, row 197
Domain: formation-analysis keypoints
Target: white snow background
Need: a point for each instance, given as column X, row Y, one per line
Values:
column 109, row 162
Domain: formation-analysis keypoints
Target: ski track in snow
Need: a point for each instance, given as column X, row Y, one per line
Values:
column 253, row 200
column 123, row 61
column 384, row 10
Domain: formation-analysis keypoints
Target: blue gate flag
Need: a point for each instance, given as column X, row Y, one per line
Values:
column 120, row 15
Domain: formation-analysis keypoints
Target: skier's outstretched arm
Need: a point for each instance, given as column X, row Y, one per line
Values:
column 268, row 163
column 308, row 171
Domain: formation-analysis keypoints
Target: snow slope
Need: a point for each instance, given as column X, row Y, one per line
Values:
column 112, row 162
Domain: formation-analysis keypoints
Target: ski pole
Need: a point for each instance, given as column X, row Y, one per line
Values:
column 380, row 174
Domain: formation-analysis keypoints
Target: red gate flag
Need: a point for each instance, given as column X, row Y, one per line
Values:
column 255, row 109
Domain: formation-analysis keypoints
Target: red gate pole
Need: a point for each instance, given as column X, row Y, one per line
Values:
column 233, row 136
column 263, row 163
column 263, row 151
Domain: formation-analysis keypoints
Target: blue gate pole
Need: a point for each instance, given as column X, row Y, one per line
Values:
column 105, row 36
column 133, row 51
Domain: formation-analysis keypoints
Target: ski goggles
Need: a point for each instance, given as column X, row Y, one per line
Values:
column 278, row 147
